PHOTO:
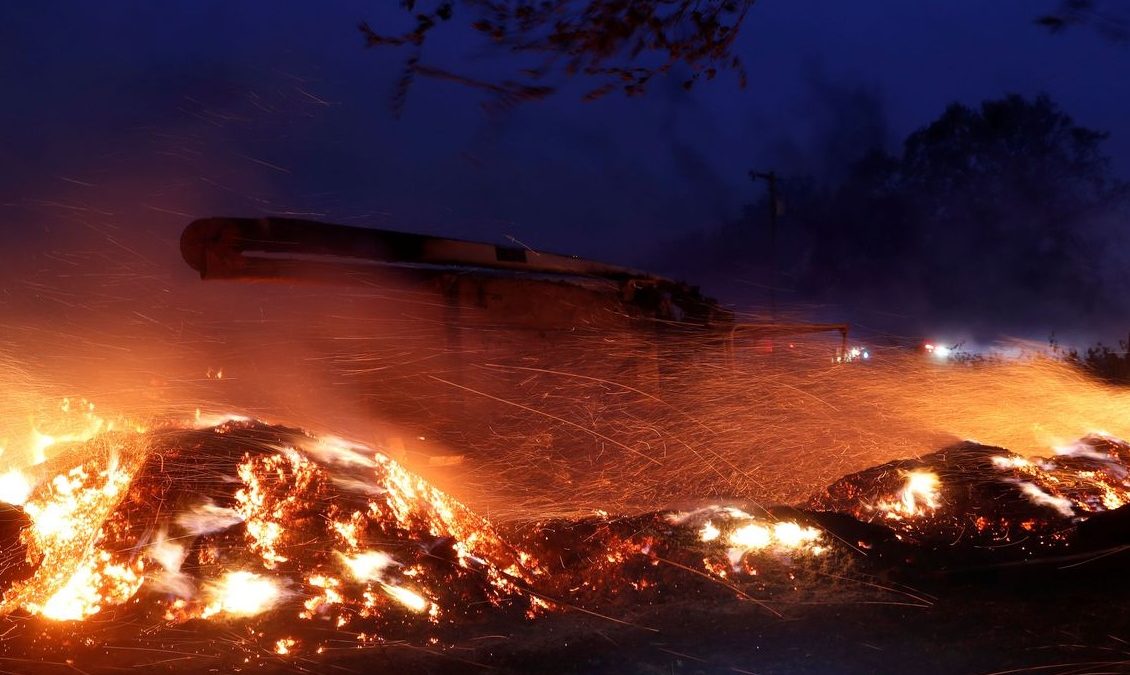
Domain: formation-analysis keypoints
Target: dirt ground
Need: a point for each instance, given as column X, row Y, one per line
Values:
column 1058, row 620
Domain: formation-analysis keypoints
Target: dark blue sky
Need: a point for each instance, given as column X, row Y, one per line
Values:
column 145, row 115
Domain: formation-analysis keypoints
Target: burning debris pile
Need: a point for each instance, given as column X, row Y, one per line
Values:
column 305, row 545
column 605, row 561
column 299, row 544
column 245, row 518
column 974, row 504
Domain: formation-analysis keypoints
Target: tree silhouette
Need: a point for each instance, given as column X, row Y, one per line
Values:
column 1005, row 186
column 621, row 44
column 1110, row 23
column 993, row 211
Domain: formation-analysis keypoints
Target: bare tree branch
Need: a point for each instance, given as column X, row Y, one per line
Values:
column 623, row 44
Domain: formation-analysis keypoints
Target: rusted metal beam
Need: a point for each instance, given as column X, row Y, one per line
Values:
column 258, row 247
column 294, row 249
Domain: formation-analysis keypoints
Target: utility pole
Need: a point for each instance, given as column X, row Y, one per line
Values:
column 770, row 177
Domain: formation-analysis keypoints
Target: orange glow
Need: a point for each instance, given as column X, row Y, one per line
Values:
column 240, row 594
column 14, row 488
column 919, row 496
column 410, row 599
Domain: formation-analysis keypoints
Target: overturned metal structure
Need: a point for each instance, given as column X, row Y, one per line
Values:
column 514, row 287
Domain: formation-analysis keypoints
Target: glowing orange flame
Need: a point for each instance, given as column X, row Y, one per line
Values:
column 241, row 593
column 368, row 566
column 14, row 488
column 919, row 496
column 97, row 583
column 410, row 599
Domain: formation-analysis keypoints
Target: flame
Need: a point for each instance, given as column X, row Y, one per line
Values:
column 71, row 507
column 275, row 527
column 410, row 599
column 328, row 592
column 919, row 496
column 791, row 535
column 97, row 583
column 741, row 536
column 709, row 532
column 250, row 534
column 77, row 424
column 751, row 537
column 1010, row 462
column 76, row 578
column 15, row 488
column 779, row 536
column 368, row 566
column 241, row 593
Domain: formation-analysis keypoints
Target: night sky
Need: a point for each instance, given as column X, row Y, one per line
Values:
column 137, row 117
